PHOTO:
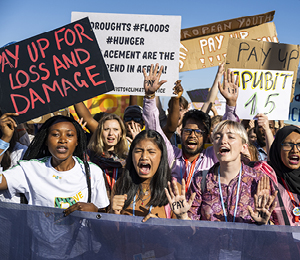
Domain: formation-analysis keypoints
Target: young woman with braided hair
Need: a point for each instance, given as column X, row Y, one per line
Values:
column 55, row 172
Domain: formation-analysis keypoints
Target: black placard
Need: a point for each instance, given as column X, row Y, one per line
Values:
column 52, row 71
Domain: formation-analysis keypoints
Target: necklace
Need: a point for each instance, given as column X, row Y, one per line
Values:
column 141, row 195
column 133, row 206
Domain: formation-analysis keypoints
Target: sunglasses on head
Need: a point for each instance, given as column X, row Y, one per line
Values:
column 135, row 119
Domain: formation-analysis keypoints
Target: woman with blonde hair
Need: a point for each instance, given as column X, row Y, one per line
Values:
column 230, row 191
column 108, row 145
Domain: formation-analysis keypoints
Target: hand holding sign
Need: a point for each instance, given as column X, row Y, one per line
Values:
column 81, row 206
column 178, row 202
column 151, row 81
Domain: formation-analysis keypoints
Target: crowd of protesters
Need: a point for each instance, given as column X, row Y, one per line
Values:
column 184, row 164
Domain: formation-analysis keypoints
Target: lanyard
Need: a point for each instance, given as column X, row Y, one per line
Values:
column 111, row 182
column 133, row 206
column 237, row 194
column 296, row 209
column 188, row 178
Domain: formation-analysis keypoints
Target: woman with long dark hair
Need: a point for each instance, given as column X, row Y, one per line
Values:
column 140, row 189
column 55, row 172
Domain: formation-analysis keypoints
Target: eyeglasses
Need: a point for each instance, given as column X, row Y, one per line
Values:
column 290, row 146
column 188, row 131
column 135, row 119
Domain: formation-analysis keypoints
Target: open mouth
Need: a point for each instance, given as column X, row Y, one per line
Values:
column 110, row 139
column 191, row 144
column 294, row 159
column 144, row 168
column 62, row 149
column 224, row 150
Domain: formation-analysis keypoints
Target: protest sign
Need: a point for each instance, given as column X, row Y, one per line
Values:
column 294, row 115
column 198, row 97
column 264, row 91
column 51, row 71
column 246, row 54
column 105, row 103
column 130, row 43
column 228, row 25
column 209, row 51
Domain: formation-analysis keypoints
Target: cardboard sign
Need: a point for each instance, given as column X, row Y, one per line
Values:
column 294, row 115
column 228, row 25
column 210, row 51
column 264, row 56
column 52, row 71
column 105, row 103
column 130, row 43
column 198, row 97
column 264, row 91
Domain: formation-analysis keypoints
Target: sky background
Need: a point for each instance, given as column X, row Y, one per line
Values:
column 21, row 19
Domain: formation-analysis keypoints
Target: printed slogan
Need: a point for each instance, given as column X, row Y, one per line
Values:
column 130, row 43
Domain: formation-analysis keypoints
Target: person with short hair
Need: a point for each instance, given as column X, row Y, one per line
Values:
column 192, row 157
column 226, row 191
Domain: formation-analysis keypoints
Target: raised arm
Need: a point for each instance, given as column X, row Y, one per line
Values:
column 83, row 112
column 230, row 91
column 178, row 203
column 264, row 203
column 7, row 126
column 212, row 94
column 263, row 121
column 150, row 112
column 173, row 116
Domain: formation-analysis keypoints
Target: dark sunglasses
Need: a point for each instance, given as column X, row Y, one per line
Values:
column 135, row 119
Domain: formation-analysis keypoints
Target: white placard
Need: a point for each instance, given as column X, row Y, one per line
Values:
column 264, row 91
column 130, row 42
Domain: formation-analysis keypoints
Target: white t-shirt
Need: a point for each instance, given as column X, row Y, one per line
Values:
column 45, row 186
column 16, row 155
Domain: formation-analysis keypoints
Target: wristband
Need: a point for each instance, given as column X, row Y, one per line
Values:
column 150, row 96
column 3, row 146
